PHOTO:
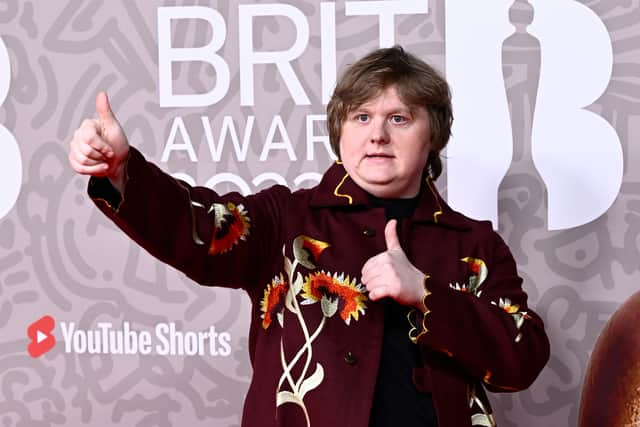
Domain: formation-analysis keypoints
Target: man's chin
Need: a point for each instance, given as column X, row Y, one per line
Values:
column 383, row 189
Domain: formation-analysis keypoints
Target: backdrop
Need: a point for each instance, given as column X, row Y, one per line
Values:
column 95, row 332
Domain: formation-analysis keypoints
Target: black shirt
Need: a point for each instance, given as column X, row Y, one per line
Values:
column 396, row 402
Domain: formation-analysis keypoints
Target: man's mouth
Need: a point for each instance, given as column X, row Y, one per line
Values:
column 379, row 155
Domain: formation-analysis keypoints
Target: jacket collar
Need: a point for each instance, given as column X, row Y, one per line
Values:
column 337, row 189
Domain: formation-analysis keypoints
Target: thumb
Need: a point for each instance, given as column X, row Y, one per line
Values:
column 391, row 235
column 105, row 115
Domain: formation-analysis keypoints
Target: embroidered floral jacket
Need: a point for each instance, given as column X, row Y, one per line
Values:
column 315, row 339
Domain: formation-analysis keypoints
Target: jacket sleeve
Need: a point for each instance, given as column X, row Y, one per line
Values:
column 485, row 325
column 214, row 239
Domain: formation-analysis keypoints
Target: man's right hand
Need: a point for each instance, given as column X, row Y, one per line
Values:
column 99, row 146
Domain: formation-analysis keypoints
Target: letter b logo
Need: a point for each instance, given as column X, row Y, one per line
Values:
column 576, row 152
column 10, row 160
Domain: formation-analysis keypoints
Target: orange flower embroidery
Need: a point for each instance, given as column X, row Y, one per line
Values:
column 475, row 265
column 231, row 225
column 506, row 305
column 458, row 287
column 272, row 303
column 514, row 310
column 307, row 250
column 335, row 293
column 478, row 272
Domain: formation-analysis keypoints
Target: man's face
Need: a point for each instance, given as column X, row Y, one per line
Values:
column 384, row 145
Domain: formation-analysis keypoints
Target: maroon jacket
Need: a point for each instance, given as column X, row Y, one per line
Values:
column 315, row 338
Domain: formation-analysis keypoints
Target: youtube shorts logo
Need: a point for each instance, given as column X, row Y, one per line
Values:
column 41, row 338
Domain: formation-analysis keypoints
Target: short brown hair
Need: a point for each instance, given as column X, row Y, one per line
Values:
column 417, row 83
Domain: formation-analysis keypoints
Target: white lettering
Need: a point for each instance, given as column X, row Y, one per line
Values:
column 312, row 177
column 107, row 340
column 386, row 11
column 164, row 347
column 277, row 125
column 328, row 39
column 313, row 138
column 228, row 129
column 230, row 178
column 79, row 342
column 282, row 59
column 167, row 55
column 130, row 340
column 224, row 339
column 180, row 139
column 171, row 145
column 191, row 343
column 213, row 349
column 67, row 333
column 268, row 176
column 144, row 342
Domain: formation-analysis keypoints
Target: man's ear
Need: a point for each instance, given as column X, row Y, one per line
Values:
column 433, row 168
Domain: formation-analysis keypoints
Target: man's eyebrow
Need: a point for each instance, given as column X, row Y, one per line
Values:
column 362, row 106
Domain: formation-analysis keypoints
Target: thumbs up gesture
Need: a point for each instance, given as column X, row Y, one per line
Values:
column 99, row 146
column 391, row 274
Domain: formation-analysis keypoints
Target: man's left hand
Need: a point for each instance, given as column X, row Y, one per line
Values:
column 391, row 274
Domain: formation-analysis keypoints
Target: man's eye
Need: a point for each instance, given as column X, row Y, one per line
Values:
column 396, row 118
column 362, row 118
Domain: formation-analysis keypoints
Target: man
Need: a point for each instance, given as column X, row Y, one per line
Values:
column 385, row 307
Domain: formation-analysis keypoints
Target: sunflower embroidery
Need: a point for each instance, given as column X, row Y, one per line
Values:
column 272, row 304
column 231, row 224
column 335, row 293
column 514, row 310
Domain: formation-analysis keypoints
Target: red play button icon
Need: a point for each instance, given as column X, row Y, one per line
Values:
column 41, row 338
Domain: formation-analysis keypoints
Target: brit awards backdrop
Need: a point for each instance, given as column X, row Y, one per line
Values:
column 232, row 95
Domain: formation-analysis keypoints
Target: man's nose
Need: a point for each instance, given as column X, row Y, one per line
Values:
column 379, row 132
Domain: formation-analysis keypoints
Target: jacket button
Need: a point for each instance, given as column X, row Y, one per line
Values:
column 369, row 232
column 350, row 359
